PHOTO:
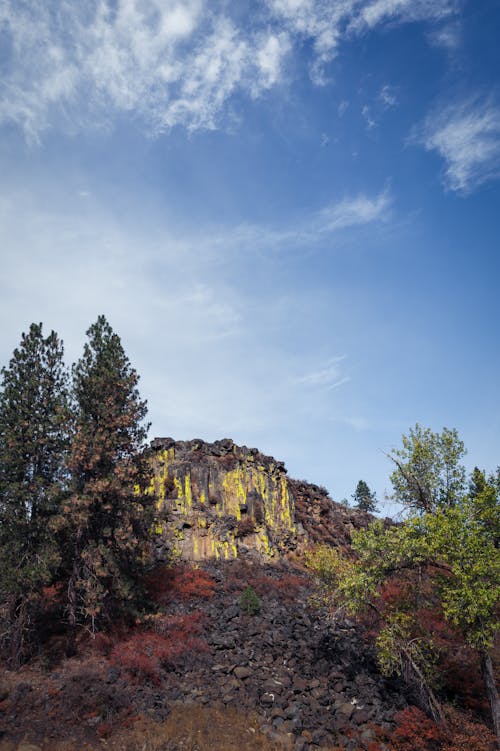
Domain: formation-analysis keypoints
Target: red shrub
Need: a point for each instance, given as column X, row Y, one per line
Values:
column 284, row 588
column 244, row 527
column 103, row 644
column 175, row 640
column 415, row 732
column 465, row 735
column 104, row 729
column 166, row 584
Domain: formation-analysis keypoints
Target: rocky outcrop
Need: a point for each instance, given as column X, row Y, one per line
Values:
column 221, row 500
column 324, row 520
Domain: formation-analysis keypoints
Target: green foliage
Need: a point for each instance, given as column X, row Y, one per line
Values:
column 249, row 602
column 34, row 437
column 106, row 521
column 451, row 549
column 364, row 499
column 428, row 470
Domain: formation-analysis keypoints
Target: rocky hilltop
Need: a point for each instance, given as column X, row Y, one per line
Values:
column 222, row 500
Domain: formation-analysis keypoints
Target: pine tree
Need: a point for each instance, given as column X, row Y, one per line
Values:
column 364, row 498
column 107, row 519
column 34, row 435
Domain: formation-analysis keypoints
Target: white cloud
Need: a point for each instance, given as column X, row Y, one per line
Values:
column 167, row 63
column 328, row 22
column 351, row 212
column 467, row 137
column 343, row 107
column 347, row 215
column 77, row 63
column 270, row 57
column 388, row 96
column 448, row 36
column 368, row 117
column 385, row 100
column 403, row 11
column 327, row 375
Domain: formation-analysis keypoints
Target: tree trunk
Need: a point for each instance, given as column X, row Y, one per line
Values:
column 491, row 691
column 18, row 618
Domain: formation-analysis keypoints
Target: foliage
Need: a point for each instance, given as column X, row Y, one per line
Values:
column 428, row 473
column 167, row 583
column 452, row 552
column 175, row 639
column 249, row 602
column 34, row 436
column 106, row 521
column 364, row 498
column 283, row 588
column 415, row 731
column 245, row 527
column 463, row 734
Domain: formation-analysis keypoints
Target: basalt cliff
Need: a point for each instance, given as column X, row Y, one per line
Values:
column 220, row 501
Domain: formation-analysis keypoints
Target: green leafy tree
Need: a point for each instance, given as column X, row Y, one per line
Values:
column 429, row 472
column 364, row 499
column 34, row 438
column 107, row 519
column 456, row 546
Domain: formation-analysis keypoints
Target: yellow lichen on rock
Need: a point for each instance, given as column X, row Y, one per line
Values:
column 224, row 497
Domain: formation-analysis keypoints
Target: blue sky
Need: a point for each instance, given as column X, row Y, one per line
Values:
column 288, row 210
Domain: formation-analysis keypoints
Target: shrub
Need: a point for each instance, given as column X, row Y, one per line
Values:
column 245, row 527
column 249, row 602
column 175, row 641
column 166, row 584
column 465, row 735
column 414, row 730
column 284, row 588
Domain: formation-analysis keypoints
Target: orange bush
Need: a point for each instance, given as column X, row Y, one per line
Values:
column 284, row 588
column 166, row 584
column 414, row 730
column 145, row 654
column 465, row 735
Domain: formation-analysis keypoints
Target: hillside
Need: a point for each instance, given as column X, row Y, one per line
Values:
column 236, row 649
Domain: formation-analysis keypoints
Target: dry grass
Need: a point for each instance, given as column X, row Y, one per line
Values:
column 195, row 728
column 189, row 727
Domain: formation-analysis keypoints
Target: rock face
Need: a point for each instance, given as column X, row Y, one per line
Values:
column 222, row 500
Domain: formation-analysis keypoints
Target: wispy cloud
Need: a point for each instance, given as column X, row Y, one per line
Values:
column 329, row 22
column 374, row 111
column 165, row 63
column 327, row 375
column 77, row 64
column 354, row 211
column 388, row 96
column 448, row 36
column 342, row 218
column 467, row 136
column 355, row 422
column 402, row 11
column 368, row 117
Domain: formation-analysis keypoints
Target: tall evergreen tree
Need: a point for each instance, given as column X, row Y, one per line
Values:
column 34, row 421
column 108, row 516
column 364, row 499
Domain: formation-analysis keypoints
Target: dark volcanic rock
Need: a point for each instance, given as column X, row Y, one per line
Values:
column 222, row 500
